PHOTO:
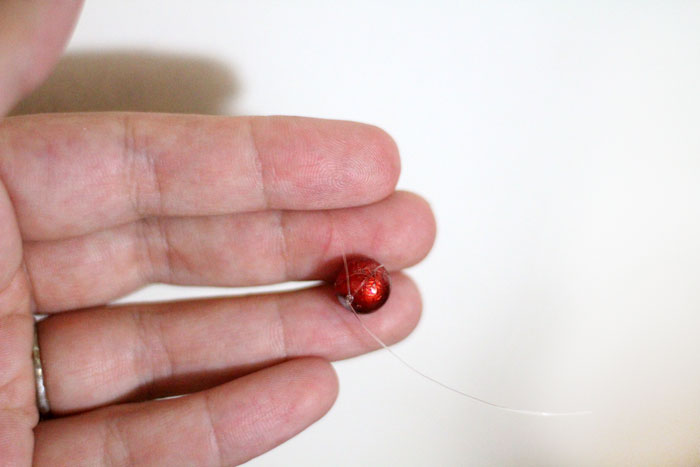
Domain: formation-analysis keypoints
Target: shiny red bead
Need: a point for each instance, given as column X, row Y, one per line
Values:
column 370, row 284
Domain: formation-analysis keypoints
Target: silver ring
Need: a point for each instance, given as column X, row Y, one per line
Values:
column 42, row 402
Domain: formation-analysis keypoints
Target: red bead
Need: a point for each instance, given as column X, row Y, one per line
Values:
column 370, row 284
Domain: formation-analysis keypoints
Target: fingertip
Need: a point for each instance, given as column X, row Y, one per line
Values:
column 368, row 166
column 406, row 309
column 324, row 164
column 317, row 384
column 387, row 161
column 423, row 230
column 264, row 409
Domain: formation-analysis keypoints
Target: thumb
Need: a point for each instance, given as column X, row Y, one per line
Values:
column 32, row 36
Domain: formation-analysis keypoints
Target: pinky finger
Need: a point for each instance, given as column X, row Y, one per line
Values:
column 226, row 425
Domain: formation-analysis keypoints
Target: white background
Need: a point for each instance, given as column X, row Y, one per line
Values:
column 558, row 143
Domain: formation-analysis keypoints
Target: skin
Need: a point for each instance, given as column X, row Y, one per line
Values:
column 94, row 206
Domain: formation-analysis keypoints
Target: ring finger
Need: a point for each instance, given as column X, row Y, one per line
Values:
column 97, row 357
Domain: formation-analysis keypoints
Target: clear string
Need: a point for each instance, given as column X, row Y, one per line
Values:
column 349, row 299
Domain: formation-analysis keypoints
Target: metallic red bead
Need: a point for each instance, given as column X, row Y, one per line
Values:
column 370, row 284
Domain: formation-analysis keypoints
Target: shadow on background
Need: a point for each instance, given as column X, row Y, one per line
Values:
column 137, row 81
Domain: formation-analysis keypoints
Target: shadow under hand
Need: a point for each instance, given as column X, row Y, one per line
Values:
column 134, row 81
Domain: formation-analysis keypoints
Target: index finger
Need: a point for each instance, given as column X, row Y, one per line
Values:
column 71, row 174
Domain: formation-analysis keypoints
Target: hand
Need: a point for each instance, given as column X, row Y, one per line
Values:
column 93, row 206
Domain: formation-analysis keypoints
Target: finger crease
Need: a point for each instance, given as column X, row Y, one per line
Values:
column 329, row 237
column 166, row 248
column 214, row 434
column 150, row 344
column 157, row 251
column 258, row 162
column 147, row 262
column 168, row 365
column 281, row 328
column 142, row 172
column 116, row 450
column 284, row 244
column 132, row 170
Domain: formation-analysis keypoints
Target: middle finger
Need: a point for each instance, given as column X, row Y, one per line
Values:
column 238, row 250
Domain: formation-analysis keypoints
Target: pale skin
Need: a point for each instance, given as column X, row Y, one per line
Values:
column 94, row 206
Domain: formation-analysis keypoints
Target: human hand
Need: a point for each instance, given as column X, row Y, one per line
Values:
column 93, row 206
